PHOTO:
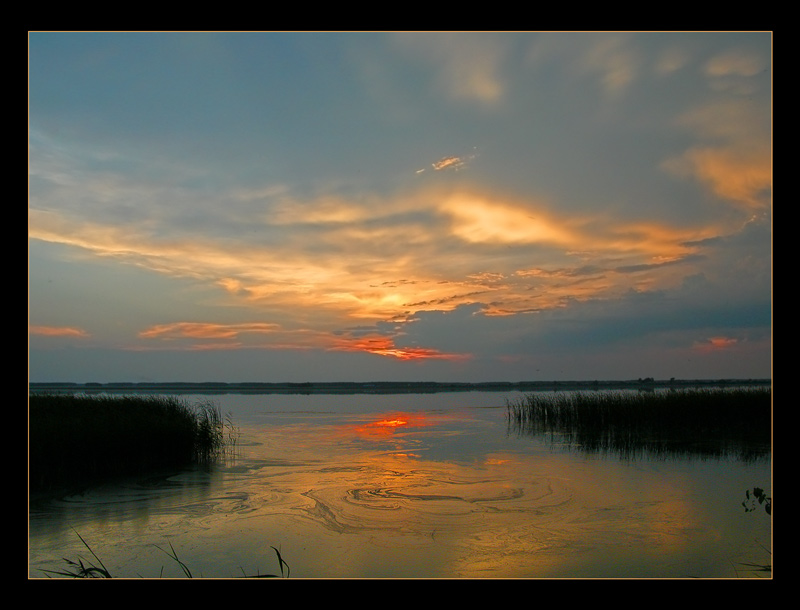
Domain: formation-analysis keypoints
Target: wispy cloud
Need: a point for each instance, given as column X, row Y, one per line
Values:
column 614, row 60
column 429, row 248
column 740, row 176
column 385, row 346
column 465, row 67
column 199, row 330
column 58, row 331
column 733, row 154
column 735, row 62
column 198, row 336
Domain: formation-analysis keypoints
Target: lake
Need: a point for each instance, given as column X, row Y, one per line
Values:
column 434, row 485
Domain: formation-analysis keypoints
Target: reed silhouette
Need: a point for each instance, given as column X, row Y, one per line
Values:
column 710, row 422
column 76, row 439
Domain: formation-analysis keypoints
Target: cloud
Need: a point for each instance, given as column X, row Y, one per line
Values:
column 58, row 331
column 742, row 177
column 265, row 336
column 614, row 60
column 611, row 61
column 385, row 346
column 454, row 163
column 733, row 158
column 383, row 257
column 466, row 66
column 479, row 219
column 735, row 62
column 678, row 318
column 715, row 344
column 200, row 330
column 672, row 59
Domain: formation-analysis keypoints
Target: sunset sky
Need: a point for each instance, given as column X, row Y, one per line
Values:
column 277, row 206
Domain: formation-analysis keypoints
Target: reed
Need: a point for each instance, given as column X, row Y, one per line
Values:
column 707, row 421
column 94, row 568
column 75, row 439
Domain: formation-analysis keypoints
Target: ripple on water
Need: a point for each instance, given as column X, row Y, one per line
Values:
column 424, row 502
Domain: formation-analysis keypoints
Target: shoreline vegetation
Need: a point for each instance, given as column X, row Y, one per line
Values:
column 711, row 421
column 78, row 433
column 380, row 387
column 79, row 437
column 82, row 439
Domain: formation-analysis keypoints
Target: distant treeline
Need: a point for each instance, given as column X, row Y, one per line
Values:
column 383, row 387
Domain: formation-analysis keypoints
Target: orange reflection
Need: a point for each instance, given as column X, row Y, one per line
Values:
column 387, row 426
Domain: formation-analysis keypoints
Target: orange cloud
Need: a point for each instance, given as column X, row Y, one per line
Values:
column 658, row 242
column 713, row 344
column 739, row 176
column 193, row 336
column 735, row 163
column 483, row 219
column 385, row 258
column 58, row 331
column 279, row 338
column 204, row 330
column 384, row 346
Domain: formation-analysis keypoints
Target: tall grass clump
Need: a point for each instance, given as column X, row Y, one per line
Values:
column 75, row 439
column 701, row 421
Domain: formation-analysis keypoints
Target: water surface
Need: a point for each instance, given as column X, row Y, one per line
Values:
column 409, row 486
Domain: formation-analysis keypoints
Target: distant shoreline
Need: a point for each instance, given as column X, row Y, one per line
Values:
column 382, row 387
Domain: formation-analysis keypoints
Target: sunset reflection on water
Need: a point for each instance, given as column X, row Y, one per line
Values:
column 399, row 492
column 389, row 425
column 402, row 427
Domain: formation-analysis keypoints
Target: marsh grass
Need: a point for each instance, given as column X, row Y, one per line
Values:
column 83, row 568
column 76, row 439
column 711, row 422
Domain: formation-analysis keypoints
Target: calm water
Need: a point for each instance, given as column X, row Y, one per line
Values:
column 416, row 485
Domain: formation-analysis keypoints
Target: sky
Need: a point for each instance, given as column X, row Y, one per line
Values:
column 399, row 206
